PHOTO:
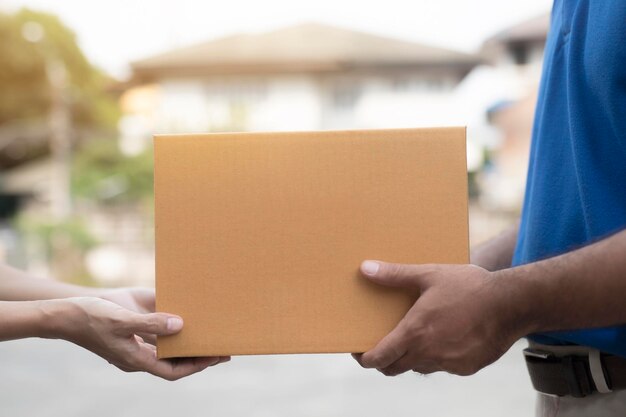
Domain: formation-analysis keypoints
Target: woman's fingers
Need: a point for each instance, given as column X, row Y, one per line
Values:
column 172, row 369
column 143, row 357
column 144, row 297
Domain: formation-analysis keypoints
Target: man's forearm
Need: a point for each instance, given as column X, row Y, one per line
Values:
column 496, row 253
column 16, row 285
column 581, row 289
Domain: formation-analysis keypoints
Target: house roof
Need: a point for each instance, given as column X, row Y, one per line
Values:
column 534, row 29
column 308, row 47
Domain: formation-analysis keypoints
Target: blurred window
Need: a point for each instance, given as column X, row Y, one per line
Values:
column 435, row 84
column 237, row 90
column 422, row 84
column 519, row 52
column 400, row 84
column 345, row 96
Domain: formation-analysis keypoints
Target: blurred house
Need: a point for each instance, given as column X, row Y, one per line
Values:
column 515, row 56
column 304, row 77
column 314, row 76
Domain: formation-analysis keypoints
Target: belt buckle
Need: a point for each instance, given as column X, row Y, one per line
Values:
column 538, row 354
column 574, row 370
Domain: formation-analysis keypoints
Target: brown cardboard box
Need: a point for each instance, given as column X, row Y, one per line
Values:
column 259, row 236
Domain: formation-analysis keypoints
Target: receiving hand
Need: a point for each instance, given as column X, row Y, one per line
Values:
column 111, row 331
column 139, row 300
column 462, row 321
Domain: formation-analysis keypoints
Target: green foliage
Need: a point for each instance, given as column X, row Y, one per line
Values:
column 69, row 233
column 102, row 173
column 63, row 244
column 23, row 81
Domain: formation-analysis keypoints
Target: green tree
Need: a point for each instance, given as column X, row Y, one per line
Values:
column 31, row 43
column 100, row 172
column 25, row 94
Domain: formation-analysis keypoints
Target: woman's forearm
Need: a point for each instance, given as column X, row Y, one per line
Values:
column 21, row 319
column 16, row 285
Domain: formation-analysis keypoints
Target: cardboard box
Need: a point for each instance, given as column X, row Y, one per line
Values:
column 259, row 236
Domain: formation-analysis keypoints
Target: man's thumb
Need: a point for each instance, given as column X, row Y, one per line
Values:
column 394, row 275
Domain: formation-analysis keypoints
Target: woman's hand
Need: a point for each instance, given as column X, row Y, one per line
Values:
column 139, row 300
column 112, row 332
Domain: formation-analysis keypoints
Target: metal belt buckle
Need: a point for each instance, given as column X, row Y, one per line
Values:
column 538, row 354
column 573, row 369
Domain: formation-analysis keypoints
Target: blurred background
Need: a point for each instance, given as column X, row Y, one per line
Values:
column 83, row 86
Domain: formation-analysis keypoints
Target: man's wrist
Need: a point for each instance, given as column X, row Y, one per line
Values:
column 522, row 299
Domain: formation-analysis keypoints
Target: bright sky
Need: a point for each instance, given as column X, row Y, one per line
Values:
column 115, row 32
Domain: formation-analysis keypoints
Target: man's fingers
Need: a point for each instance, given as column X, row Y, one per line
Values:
column 408, row 363
column 159, row 324
column 426, row 368
column 398, row 275
column 387, row 351
column 148, row 338
column 398, row 367
column 357, row 357
column 395, row 345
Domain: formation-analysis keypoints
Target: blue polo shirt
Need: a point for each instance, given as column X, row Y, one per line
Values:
column 576, row 186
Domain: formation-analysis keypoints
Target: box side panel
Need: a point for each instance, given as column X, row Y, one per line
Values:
column 259, row 236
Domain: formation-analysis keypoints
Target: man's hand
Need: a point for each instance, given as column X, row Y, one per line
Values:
column 112, row 332
column 462, row 321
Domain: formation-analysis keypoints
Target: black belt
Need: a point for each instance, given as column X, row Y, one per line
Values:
column 571, row 374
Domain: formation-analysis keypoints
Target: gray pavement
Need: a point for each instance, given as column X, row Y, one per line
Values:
column 41, row 378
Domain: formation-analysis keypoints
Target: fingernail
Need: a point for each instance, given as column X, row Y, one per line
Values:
column 370, row 267
column 174, row 323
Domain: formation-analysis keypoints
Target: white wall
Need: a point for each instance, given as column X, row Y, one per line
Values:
column 301, row 102
column 238, row 103
column 291, row 103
